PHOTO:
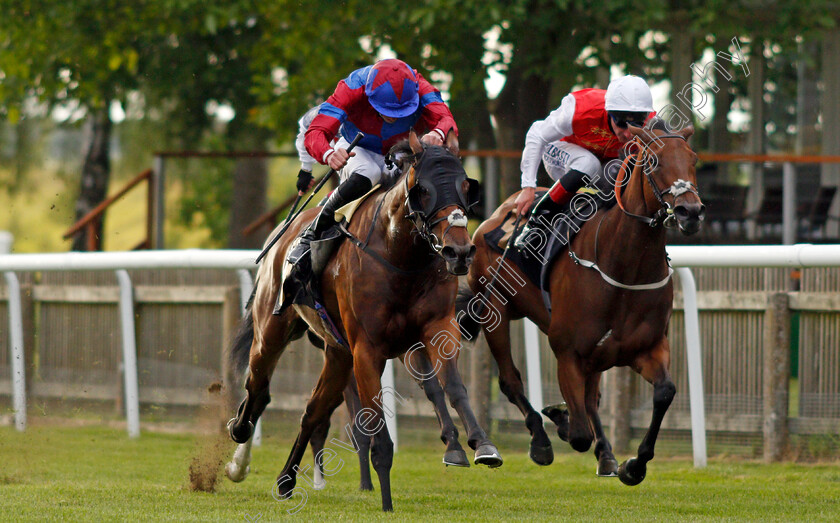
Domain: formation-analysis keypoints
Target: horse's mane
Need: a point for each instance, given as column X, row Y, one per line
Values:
column 400, row 156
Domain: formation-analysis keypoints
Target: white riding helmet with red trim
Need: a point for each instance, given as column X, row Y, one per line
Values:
column 628, row 94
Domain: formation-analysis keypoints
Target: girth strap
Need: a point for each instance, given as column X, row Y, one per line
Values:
column 615, row 283
column 373, row 254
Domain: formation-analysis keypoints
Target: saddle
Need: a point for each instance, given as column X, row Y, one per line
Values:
column 302, row 275
column 549, row 235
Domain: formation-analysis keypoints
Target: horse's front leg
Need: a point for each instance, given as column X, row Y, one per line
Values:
column 368, row 364
column 354, row 405
column 653, row 367
column 510, row 383
column 607, row 465
column 421, row 370
column 442, row 341
column 572, row 382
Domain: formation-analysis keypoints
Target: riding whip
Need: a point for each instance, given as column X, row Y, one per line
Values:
column 290, row 218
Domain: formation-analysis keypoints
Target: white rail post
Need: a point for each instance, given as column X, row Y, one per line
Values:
column 389, row 401
column 16, row 352
column 246, row 285
column 129, row 346
column 532, row 364
column 695, row 366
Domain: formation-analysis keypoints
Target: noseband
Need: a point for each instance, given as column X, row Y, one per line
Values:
column 665, row 215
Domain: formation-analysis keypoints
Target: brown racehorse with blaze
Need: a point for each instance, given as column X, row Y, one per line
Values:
column 613, row 314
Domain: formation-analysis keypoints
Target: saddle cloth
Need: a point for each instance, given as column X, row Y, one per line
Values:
column 301, row 285
column 548, row 236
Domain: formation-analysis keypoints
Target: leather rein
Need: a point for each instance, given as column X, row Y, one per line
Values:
column 665, row 215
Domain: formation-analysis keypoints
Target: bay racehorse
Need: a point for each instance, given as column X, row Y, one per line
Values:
column 392, row 291
column 610, row 302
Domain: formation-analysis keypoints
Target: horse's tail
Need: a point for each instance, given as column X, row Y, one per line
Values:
column 240, row 349
column 468, row 324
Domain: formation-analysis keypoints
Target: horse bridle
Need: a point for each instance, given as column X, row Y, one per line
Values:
column 665, row 215
column 420, row 218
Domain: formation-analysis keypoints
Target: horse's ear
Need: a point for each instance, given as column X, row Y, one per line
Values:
column 414, row 142
column 686, row 132
column 452, row 142
column 645, row 135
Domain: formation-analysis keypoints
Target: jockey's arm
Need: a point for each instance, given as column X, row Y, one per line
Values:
column 556, row 126
column 326, row 124
column 435, row 116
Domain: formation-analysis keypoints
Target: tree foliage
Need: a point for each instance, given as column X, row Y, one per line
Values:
column 270, row 61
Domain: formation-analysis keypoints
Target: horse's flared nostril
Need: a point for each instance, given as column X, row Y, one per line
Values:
column 694, row 211
column 690, row 217
column 681, row 213
column 471, row 254
column 448, row 252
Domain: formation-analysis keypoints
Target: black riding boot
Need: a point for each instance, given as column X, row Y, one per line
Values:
column 554, row 201
column 352, row 188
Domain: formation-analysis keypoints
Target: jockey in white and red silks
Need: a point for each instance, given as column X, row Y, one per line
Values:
column 575, row 141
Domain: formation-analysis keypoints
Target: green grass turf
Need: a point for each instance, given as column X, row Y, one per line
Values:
column 95, row 473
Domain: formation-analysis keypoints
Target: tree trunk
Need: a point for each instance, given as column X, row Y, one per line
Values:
column 250, row 183
column 472, row 112
column 523, row 100
column 250, row 180
column 96, row 173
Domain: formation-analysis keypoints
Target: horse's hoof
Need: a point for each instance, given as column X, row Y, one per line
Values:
column 236, row 473
column 318, row 482
column 456, row 458
column 366, row 487
column 488, row 454
column 542, row 456
column 559, row 414
column 607, row 468
column 553, row 412
column 631, row 477
column 242, row 433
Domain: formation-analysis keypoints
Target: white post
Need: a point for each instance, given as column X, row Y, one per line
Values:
column 257, row 437
column 246, row 285
column 389, row 401
column 129, row 346
column 16, row 353
column 532, row 364
column 695, row 366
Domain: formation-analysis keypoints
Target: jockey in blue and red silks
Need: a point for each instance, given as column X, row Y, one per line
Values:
column 384, row 101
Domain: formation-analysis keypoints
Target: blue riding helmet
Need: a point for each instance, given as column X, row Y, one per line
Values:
column 391, row 88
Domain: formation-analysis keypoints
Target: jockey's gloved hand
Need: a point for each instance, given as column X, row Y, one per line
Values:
column 303, row 181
